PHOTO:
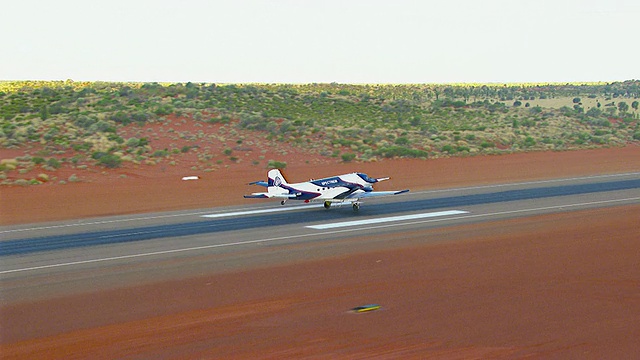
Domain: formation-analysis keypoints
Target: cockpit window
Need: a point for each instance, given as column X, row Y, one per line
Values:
column 366, row 178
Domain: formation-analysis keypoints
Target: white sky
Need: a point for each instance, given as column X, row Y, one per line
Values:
column 302, row 41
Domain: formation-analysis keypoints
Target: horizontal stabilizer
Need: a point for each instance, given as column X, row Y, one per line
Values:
column 270, row 195
column 256, row 196
column 259, row 182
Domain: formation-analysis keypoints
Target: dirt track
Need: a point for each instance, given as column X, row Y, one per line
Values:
column 553, row 286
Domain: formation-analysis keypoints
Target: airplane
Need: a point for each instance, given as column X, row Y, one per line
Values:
column 349, row 188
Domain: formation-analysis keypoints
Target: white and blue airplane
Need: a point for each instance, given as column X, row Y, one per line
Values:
column 349, row 188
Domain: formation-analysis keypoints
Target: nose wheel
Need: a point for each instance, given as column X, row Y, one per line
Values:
column 356, row 206
column 327, row 204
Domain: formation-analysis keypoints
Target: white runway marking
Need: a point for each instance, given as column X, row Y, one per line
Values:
column 266, row 240
column 251, row 212
column 387, row 219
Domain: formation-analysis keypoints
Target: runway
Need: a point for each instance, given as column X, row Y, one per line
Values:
column 45, row 254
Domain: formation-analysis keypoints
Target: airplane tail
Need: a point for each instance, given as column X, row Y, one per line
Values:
column 276, row 178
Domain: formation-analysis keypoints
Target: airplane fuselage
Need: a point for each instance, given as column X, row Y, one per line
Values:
column 335, row 189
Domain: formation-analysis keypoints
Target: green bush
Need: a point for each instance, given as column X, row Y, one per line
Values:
column 110, row 161
column 160, row 153
column 54, row 163
column 37, row 160
column 276, row 164
column 348, row 157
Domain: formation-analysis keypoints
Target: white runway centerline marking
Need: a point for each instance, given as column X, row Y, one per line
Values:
column 251, row 212
column 387, row 219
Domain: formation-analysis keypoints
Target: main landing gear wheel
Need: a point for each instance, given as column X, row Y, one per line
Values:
column 283, row 202
column 327, row 204
column 356, row 206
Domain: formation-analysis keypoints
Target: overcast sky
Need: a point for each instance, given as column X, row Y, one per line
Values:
column 300, row 41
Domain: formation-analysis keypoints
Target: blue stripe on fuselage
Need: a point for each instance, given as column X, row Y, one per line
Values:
column 303, row 195
column 335, row 181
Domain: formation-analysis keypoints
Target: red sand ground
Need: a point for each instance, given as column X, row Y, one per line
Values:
column 553, row 286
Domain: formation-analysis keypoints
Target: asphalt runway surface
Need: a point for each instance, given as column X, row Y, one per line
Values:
column 49, row 259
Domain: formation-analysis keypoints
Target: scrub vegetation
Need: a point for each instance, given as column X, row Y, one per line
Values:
column 85, row 120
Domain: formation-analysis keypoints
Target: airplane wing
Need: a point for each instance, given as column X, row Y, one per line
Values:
column 270, row 195
column 260, row 182
column 362, row 195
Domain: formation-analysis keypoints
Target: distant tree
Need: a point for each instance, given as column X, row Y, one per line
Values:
column 576, row 100
column 623, row 107
column 635, row 105
column 517, row 103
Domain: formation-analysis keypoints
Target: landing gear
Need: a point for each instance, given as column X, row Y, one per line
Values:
column 356, row 206
column 327, row 204
column 283, row 202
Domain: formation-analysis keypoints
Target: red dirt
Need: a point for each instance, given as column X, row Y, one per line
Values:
column 553, row 286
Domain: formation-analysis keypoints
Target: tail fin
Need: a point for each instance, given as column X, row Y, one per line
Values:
column 276, row 178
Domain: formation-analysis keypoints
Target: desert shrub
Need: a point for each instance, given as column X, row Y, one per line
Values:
column 529, row 141
column 85, row 146
column 85, row 121
column 140, row 117
column 49, row 135
column 164, row 109
column 402, row 140
column 37, row 160
column 594, row 112
column 448, row 149
column 101, row 126
column 348, row 157
column 133, row 142
column 535, row 110
column 54, row 163
column 400, row 151
column 96, row 155
column 121, row 118
column 273, row 164
column 110, row 161
column 599, row 122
